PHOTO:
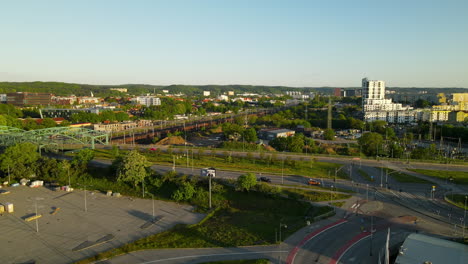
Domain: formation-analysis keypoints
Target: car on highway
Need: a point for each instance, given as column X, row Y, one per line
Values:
column 265, row 179
column 313, row 182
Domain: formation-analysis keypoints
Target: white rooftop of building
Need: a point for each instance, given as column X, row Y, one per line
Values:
column 419, row 249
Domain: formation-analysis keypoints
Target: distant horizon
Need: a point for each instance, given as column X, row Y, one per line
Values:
column 261, row 85
column 297, row 43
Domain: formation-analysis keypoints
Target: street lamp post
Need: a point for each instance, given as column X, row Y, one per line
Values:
column 371, row 226
column 281, row 226
column 85, row 201
column 367, row 192
column 464, row 218
column 282, row 171
column 37, row 223
column 381, row 177
column 209, row 188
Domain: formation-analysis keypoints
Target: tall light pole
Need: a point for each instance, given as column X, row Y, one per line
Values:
column 37, row 223
column 9, row 180
column 381, row 177
column 85, row 201
column 464, row 218
column 209, row 189
column 371, row 233
column 282, row 171
column 367, row 192
column 280, row 226
column 69, row 181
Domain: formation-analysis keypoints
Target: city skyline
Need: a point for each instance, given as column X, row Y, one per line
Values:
column 298, row 44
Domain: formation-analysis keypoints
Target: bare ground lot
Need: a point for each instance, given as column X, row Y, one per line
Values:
column 61, row 234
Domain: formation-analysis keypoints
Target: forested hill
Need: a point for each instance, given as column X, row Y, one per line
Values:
column 60, row 88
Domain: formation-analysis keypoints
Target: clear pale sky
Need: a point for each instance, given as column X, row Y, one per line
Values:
column 407, row 43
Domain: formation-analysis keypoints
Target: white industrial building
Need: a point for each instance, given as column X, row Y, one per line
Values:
column 147, row 100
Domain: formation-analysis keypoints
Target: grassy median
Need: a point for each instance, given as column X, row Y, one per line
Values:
column 264, row 163
column 459, row 177
column 406, row 178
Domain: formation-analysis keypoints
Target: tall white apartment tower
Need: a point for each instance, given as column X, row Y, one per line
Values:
column 376, row 107
column 373, row 89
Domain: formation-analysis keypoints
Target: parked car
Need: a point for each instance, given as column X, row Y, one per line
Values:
column 265, row 179
column 313, row 182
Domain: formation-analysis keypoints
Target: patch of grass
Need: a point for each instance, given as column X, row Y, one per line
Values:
column 365, row 175
column 245, row 261
column 457, row 200
column 265, row 163
column 318, row 188
column 459, row 177
column 313, row 196
column 403, row 177
column 338, row 204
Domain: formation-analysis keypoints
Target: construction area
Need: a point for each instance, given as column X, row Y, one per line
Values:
column 50, row 225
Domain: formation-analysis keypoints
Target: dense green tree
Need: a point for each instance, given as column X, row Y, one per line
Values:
column 82, row 159
column 184, row 192
column 121, row 116
column 370, row 143
column 421, row 103
column 246, row 182
column 329, row 134
column 20, row 159
column 132, row 167
column 48, row 122
column 250, row 135
column 296, row 143
column 232, row 131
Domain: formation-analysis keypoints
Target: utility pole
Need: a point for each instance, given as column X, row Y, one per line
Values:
column 381, row 177
column 37, row 223
column 209, row 188
column 371, row 233
column 173, row 162
column 282, row 171
column 85, row 204
column 367, row 192
column 464, row 218
column 329, row 116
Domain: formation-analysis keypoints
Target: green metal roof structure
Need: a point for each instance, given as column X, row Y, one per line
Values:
column 52, row 136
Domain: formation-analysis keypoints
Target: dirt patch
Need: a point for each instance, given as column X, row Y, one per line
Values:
column 174, row 140
column 404, row 219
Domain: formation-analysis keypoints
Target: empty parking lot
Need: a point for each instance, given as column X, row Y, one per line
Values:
column 67, row 233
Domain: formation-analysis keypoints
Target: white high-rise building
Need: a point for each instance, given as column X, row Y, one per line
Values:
column 147, row 100
column 376, row 107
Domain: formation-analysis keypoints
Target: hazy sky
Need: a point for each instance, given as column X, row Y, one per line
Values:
column 266, row 42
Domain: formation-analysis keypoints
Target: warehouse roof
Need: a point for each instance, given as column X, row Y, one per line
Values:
column 420, row 249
